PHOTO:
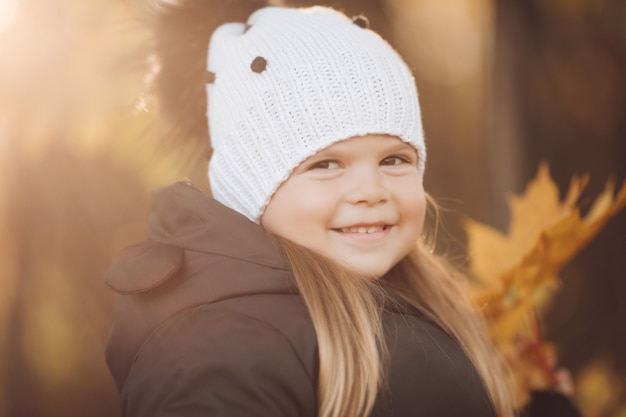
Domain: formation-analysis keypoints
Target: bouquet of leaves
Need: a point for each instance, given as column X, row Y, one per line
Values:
column 515, row 273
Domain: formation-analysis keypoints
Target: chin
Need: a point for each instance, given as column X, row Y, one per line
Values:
column 373, row 271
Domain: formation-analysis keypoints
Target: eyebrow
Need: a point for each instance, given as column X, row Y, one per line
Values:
column 325, row 153
column 402, row 146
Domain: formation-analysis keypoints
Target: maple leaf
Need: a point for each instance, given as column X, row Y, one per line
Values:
column 516, row 273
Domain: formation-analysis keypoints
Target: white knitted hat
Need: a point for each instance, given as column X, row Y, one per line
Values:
column 288, row 84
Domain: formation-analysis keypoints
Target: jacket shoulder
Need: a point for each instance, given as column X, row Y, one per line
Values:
column 222, row 359
column 152, row 293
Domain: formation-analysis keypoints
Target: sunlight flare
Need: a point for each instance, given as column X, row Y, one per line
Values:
column 7, row 12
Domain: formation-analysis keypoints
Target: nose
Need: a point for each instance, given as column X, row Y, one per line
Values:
column 367, row 187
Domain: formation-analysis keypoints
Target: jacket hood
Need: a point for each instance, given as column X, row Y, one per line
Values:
column 184, row 218
column 198, row 251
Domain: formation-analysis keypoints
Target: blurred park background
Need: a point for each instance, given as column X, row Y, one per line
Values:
column 504, row 85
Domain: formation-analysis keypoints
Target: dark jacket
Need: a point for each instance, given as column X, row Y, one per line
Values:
column 208, row 323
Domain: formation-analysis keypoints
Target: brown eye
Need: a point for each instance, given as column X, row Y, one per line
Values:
column 329, row 164
column 395, row 160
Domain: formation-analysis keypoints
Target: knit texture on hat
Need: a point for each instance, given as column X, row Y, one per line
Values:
column 288, row 84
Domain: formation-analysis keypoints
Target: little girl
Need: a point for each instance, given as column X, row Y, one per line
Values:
column 301, row 288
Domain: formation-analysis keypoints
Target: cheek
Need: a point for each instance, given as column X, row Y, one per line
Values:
column 414, row 210
column 295, row 212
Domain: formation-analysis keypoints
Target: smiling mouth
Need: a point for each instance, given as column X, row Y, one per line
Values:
column 363, row 229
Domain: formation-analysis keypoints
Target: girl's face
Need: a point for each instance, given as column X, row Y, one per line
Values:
column 359, row 202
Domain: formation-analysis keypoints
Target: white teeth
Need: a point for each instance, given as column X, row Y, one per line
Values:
column 362, row 229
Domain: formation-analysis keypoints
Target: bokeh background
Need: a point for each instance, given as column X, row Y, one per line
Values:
column 504, row 85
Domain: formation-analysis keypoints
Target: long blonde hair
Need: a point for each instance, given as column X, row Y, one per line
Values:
column 346, row 312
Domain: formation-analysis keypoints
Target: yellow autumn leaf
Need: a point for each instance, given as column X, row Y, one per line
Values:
column 516, row 272
column 507, row 326
column 493, row 252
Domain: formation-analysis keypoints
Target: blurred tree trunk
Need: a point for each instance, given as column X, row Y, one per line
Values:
column 448, row 46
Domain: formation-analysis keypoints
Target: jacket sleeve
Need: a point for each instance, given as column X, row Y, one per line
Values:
column 216, row 362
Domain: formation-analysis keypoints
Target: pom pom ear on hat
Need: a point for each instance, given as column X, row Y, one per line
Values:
column 291, row 82
column 361, row 21
column 258, row 64
column 209, row 77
